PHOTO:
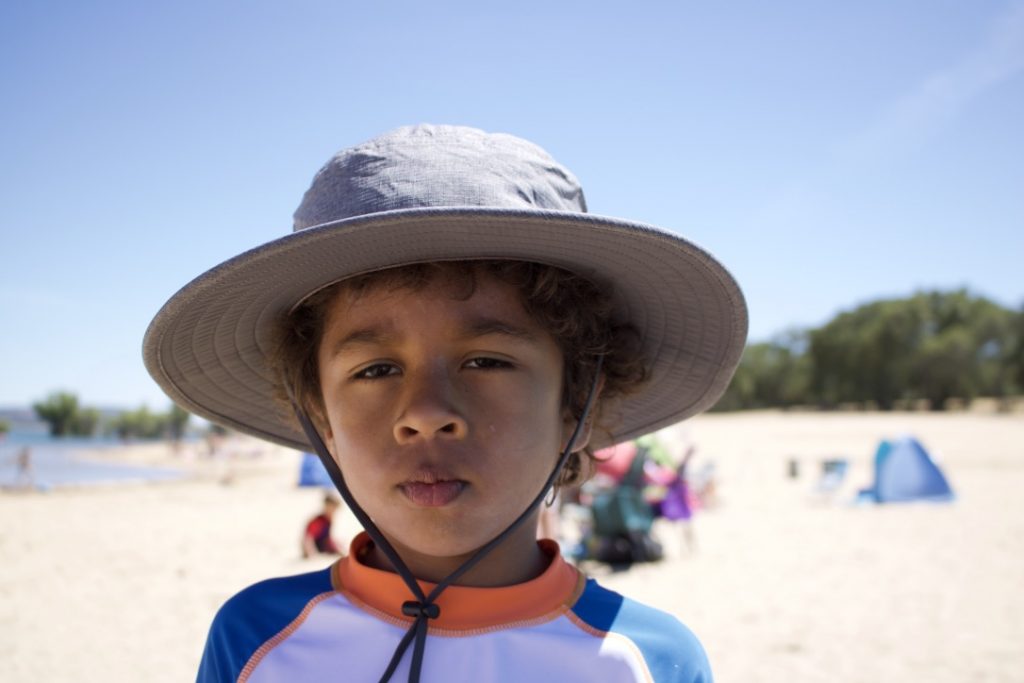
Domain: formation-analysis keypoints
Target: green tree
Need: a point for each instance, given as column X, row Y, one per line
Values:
column 965, row 355
column 139, row 424
column 934, row 345
column 1012, row 365
column 864, row 355
column 85, row 422
column 177, row 420
column 775, row 373
column 5, row 427
column 142, row 423
column 61, row 411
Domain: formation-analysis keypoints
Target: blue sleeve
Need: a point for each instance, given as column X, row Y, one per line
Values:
column 672, row 652
column 251, row 618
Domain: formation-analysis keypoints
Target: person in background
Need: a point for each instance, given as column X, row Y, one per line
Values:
column 317, row 539
column 26, row 474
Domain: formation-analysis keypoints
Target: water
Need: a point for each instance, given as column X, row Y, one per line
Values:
column 57, row 462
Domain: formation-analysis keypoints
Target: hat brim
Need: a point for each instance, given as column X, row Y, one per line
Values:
column 207, row 346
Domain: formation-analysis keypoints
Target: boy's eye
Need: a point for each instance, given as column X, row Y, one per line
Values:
column 485, row 363
column 376, row 371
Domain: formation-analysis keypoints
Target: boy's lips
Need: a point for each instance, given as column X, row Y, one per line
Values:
column 434, row 493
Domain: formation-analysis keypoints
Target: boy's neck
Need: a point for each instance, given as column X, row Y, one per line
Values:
column 516, row 560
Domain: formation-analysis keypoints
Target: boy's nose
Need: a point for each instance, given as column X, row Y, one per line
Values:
column 430, row 414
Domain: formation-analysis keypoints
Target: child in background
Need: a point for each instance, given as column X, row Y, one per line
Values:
column 317, row 536
column 452, row 333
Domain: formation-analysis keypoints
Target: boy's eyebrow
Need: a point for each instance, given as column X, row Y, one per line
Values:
column 477, row 327
column 481, row 327
column 366, row 335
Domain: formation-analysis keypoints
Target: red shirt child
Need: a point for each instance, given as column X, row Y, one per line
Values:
column 317, row 538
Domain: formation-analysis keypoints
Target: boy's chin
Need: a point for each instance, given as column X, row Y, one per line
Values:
column 433, row 556
column 440, row 549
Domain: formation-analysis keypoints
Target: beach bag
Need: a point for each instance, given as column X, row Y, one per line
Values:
column 629, row 548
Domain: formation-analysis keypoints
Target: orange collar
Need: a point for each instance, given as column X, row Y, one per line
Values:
column 462, row 607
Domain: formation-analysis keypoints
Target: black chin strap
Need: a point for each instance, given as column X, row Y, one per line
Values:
column 423, row 607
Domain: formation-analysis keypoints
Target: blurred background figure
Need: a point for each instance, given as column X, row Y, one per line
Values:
column 25, row 477
column 316, row 538
column 621, row 517
column 679, row 501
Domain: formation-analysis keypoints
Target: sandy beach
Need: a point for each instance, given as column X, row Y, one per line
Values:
column 119, row 582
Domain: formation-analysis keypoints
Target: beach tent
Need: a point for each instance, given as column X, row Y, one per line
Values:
column 904, row 471
column 312, row 472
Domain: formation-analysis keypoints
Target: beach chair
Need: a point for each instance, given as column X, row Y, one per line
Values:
column 833, row 474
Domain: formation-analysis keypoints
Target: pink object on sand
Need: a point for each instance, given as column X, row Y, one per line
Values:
column 614, row 461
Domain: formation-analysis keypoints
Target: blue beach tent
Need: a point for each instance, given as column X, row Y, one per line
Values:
column 313, row 473
column 904, row 472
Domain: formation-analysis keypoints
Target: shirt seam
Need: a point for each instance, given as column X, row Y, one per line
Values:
column 281, row 636
column 598, row 633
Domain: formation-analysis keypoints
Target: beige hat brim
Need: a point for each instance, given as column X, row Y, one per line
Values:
column 207, row 346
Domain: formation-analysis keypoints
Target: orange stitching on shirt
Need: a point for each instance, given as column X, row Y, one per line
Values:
column 479, row 631
column 370, row 609
column 336, row 575
column 577, row 592
column 265, row 649
column 584, row 626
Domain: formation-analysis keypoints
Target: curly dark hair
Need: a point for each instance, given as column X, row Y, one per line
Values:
column 574, row 310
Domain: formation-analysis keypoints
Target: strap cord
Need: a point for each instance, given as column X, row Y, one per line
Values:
column 423, row 608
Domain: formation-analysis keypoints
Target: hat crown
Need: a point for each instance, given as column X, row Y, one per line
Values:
column 430, row 166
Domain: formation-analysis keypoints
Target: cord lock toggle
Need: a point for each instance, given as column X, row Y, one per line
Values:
column 416, row 609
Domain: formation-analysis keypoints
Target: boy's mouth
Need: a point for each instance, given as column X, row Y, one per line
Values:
column 432, row 493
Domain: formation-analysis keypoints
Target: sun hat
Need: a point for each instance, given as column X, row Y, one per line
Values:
column 440, row 193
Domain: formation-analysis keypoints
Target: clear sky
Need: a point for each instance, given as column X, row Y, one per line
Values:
column 828, row 153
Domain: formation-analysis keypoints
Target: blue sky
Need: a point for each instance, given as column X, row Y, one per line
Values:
column 828, row 153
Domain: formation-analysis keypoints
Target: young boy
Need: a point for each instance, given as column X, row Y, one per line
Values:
column 452, row 333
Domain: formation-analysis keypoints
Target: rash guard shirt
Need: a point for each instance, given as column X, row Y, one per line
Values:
column 344, row 622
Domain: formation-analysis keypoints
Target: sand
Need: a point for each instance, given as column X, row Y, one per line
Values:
column 119, row 582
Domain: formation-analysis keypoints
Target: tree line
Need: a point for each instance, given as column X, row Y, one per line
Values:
column 931, row 347
column 65, row 416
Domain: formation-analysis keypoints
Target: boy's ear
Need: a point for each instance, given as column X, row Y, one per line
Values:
column 582, row 440
column 569, row 424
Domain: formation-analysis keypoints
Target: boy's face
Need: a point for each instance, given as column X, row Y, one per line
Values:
column 444, row 414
